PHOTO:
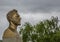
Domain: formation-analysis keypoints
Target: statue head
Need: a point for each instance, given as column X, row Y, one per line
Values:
column 13, row 17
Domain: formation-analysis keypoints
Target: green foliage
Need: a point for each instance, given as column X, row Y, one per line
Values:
column 0, row 40
column 44, row 31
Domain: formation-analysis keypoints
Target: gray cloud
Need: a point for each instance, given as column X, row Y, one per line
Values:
column 42, row 5
column 32, row 5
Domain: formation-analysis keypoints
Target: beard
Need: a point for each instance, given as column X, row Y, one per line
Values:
column 16, row 22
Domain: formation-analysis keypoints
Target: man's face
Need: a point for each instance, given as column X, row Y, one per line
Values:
column 16, row 19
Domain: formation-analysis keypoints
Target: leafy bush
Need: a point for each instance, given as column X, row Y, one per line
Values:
column 44, row 31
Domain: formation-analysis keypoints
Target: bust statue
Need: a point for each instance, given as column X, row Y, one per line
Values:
column 11, row 34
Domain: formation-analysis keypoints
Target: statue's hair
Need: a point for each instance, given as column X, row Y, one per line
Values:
column 10, row 14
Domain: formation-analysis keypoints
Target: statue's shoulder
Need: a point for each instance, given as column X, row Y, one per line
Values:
column 5, row 32
column 8, row 33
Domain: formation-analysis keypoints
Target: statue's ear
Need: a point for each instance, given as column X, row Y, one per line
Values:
column 10, row 19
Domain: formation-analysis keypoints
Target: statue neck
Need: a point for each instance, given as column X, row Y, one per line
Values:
column 13, row 26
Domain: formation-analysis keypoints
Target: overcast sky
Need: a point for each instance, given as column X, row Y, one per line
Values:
column 30, row 11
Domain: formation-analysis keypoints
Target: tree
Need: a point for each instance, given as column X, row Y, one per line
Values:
column 44, row 31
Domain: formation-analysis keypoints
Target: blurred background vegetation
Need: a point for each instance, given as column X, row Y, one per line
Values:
column 44, row 31
column 0, row 40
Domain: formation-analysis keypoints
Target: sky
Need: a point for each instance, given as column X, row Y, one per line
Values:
column 31, row 11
